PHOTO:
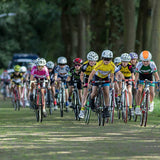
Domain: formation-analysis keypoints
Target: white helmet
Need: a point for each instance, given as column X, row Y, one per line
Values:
column 145, row 56
column 41, row 62
column 92, row 56
column 35, row 61
column 107, row 54
column 117, row 60
column 62, row 60
column 23, row 69
column 125, row 57
column 50, row 65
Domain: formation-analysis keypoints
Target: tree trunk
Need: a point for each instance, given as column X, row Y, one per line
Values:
column 98, row 25
column 155, row 38
column 143, row 32
column 129, row 25
column 81, row 36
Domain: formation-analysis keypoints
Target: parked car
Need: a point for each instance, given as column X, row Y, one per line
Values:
column 22, row 59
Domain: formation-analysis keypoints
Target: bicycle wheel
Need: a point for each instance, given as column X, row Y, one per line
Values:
column 40, row 108
column 87, row 115
column 126, row 107
column 49, row 101
column 17, row 101
column 75, row 107
column 142, row 118
column 112, row 106
column 146, row 109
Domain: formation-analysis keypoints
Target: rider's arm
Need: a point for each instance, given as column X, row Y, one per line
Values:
column 136, row 77
column 91, row 75
column 31, row 77
column 156, row 76
column 133, row 77
column 55, row 76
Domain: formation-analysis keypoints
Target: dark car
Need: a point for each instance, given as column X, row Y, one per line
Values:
column 22, row 59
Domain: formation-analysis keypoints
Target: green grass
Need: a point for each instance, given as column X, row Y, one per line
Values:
column 22, row 138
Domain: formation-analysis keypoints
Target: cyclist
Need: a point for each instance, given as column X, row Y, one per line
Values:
column 145, row 69
column 40, row 71
column 86, row 69
column 117, row 60
column 5, row 80
column 134, row 60
column 23, row 70
column 61, row 73
column 17, row 77
column 74, row 75
column 126, row 69
column 101, row 71
column 50, row 66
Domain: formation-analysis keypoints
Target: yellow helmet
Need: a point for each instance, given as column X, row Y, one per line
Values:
column 17, row 68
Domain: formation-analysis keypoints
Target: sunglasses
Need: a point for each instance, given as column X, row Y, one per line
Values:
column 62, row 64
column 40, row 66
column 77, row 65
column 107, row 59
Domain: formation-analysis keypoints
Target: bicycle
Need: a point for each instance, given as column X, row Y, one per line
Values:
column 144, row 102
column 38, row 99
column 76, row 100
column 99, row 102
column 16, row 96
column 124, row 102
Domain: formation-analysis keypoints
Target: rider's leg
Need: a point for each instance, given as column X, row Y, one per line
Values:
column 152, row 94
column 93, row 94
column 130, row 95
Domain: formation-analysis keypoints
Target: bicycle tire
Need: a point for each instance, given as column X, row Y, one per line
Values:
column 146, row 109
column 87, row 115
column 74, row 100
column 126, row 107
column 112, row 106
column 18, row 105
column 41, row 108
column 49, row 101
column 142, row 119
column 99, row 117
column 61, row 104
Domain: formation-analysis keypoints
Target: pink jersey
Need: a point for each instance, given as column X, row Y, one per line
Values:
column 40, row 74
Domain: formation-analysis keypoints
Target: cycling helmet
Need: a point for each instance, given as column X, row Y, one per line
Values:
column 125, row 57
column 50, row 65
column 23, row 69
column 107, row 54
column 78, row 60
column 35, row 61
column 145, row 56
column 17, row 68
column 41, row 62
column 62, row 60
column 92, row 56
column 117, row 60
column 133, row 55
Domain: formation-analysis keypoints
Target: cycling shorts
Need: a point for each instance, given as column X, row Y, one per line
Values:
column 79, row 84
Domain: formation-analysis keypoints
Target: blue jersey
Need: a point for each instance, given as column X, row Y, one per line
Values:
column 62, row 72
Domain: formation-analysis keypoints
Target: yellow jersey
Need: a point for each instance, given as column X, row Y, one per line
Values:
column 126, row 71
column 103, row 70
column 86, row 68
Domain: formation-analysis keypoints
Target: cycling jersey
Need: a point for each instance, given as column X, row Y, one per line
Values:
column 126, row 71
column 151, row 68
column 103, row 70
column 15, row 77
column 62, row 72
column 40, row 74
column 86, row 68
column 75, row 76
column 145, row 72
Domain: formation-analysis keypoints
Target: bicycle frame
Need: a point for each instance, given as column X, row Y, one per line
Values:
column 16, row 97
